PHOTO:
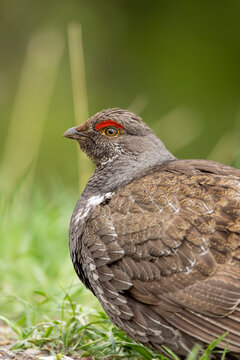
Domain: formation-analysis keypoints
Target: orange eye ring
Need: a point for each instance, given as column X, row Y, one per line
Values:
column 110, row 131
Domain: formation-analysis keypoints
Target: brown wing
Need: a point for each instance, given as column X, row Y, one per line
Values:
column 167, row 254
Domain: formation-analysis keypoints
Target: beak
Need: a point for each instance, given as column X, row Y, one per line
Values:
column 72, row 133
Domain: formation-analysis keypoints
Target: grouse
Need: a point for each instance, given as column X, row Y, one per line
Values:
column 157, row 239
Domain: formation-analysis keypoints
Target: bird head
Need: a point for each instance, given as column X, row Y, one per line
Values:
column 114, row 134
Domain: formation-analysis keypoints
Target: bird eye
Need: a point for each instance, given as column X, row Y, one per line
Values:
column 110, row 131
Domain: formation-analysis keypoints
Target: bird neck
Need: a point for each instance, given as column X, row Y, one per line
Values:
column 121, row 170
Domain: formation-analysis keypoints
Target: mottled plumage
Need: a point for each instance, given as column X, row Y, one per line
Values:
column 160, row 247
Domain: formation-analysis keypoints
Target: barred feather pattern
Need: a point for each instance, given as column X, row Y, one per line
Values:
column 162, row 255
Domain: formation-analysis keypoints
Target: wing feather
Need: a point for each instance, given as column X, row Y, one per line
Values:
column 172, row 248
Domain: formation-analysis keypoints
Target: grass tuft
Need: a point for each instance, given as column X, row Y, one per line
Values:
column 76, row 330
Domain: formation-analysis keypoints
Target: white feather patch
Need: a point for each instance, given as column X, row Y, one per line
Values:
column 92, row 202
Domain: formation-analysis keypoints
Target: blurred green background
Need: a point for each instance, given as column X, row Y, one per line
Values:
column 176, row 63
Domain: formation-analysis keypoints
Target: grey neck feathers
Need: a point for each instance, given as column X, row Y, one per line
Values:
column 149, row 153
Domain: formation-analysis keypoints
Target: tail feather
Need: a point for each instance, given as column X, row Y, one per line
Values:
column 209, row 328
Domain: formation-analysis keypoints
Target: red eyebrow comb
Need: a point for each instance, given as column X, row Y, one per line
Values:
column 108, row 123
